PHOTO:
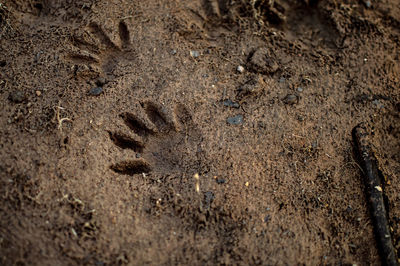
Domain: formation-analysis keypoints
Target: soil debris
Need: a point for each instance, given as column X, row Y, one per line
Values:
column 17, row 96
column 262, row 61
column 251, row 88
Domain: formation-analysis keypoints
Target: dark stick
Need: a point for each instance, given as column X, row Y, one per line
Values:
column 374, row 191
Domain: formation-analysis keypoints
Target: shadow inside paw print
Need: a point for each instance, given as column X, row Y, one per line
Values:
column 156, row 139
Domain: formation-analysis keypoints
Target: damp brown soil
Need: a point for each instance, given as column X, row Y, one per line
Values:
column 110, row 109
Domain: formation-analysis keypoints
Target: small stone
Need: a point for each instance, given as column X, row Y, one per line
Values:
column 240, row 69
column 378, row 104
column 291, row 99
column 38, row 93
column 368, row 3
column 235, row 120
column 247, row 184
column 267, row 218
column 16, row 96
column 299, row 89
column 221, row 181
column 173, row 52
column 96, row 91
column 194, row 54
column 230, row 103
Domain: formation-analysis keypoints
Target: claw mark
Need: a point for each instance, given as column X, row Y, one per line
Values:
column 126, row 142
column 133, row 167
column 124, row 34
column 136, row 125
column 99, row 33
column 156, row 115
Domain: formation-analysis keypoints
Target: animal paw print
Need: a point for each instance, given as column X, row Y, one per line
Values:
column 101, row 50
column 156, row 139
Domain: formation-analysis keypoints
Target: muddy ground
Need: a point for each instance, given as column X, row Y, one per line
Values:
column 195, row 132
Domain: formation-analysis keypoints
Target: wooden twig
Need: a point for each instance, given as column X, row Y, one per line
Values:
column 374, row 189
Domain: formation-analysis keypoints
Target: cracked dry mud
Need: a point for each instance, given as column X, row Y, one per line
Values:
column 148, row 170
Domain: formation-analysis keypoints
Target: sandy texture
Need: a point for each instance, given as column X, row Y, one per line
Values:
column 110, row 108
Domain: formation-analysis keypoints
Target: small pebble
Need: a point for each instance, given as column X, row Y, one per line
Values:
column 240, row 69
column 96, row 91
column 194, row 54
column 290, row 99
column 230, row 103
column 235, row 120
column 368, row 3
column 38, row 93
column 247, row 184
column 16, row 96
column 173, row 52
column 221, row 181
column 314, row 145
column 299, row 89
column 267, row 218
column 378, row 104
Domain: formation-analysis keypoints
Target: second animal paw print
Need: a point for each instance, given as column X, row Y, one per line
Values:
column 155, row 139
column 102, row 50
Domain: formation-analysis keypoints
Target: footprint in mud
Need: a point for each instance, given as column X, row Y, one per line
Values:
column 101, row 50
column 156, row 139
